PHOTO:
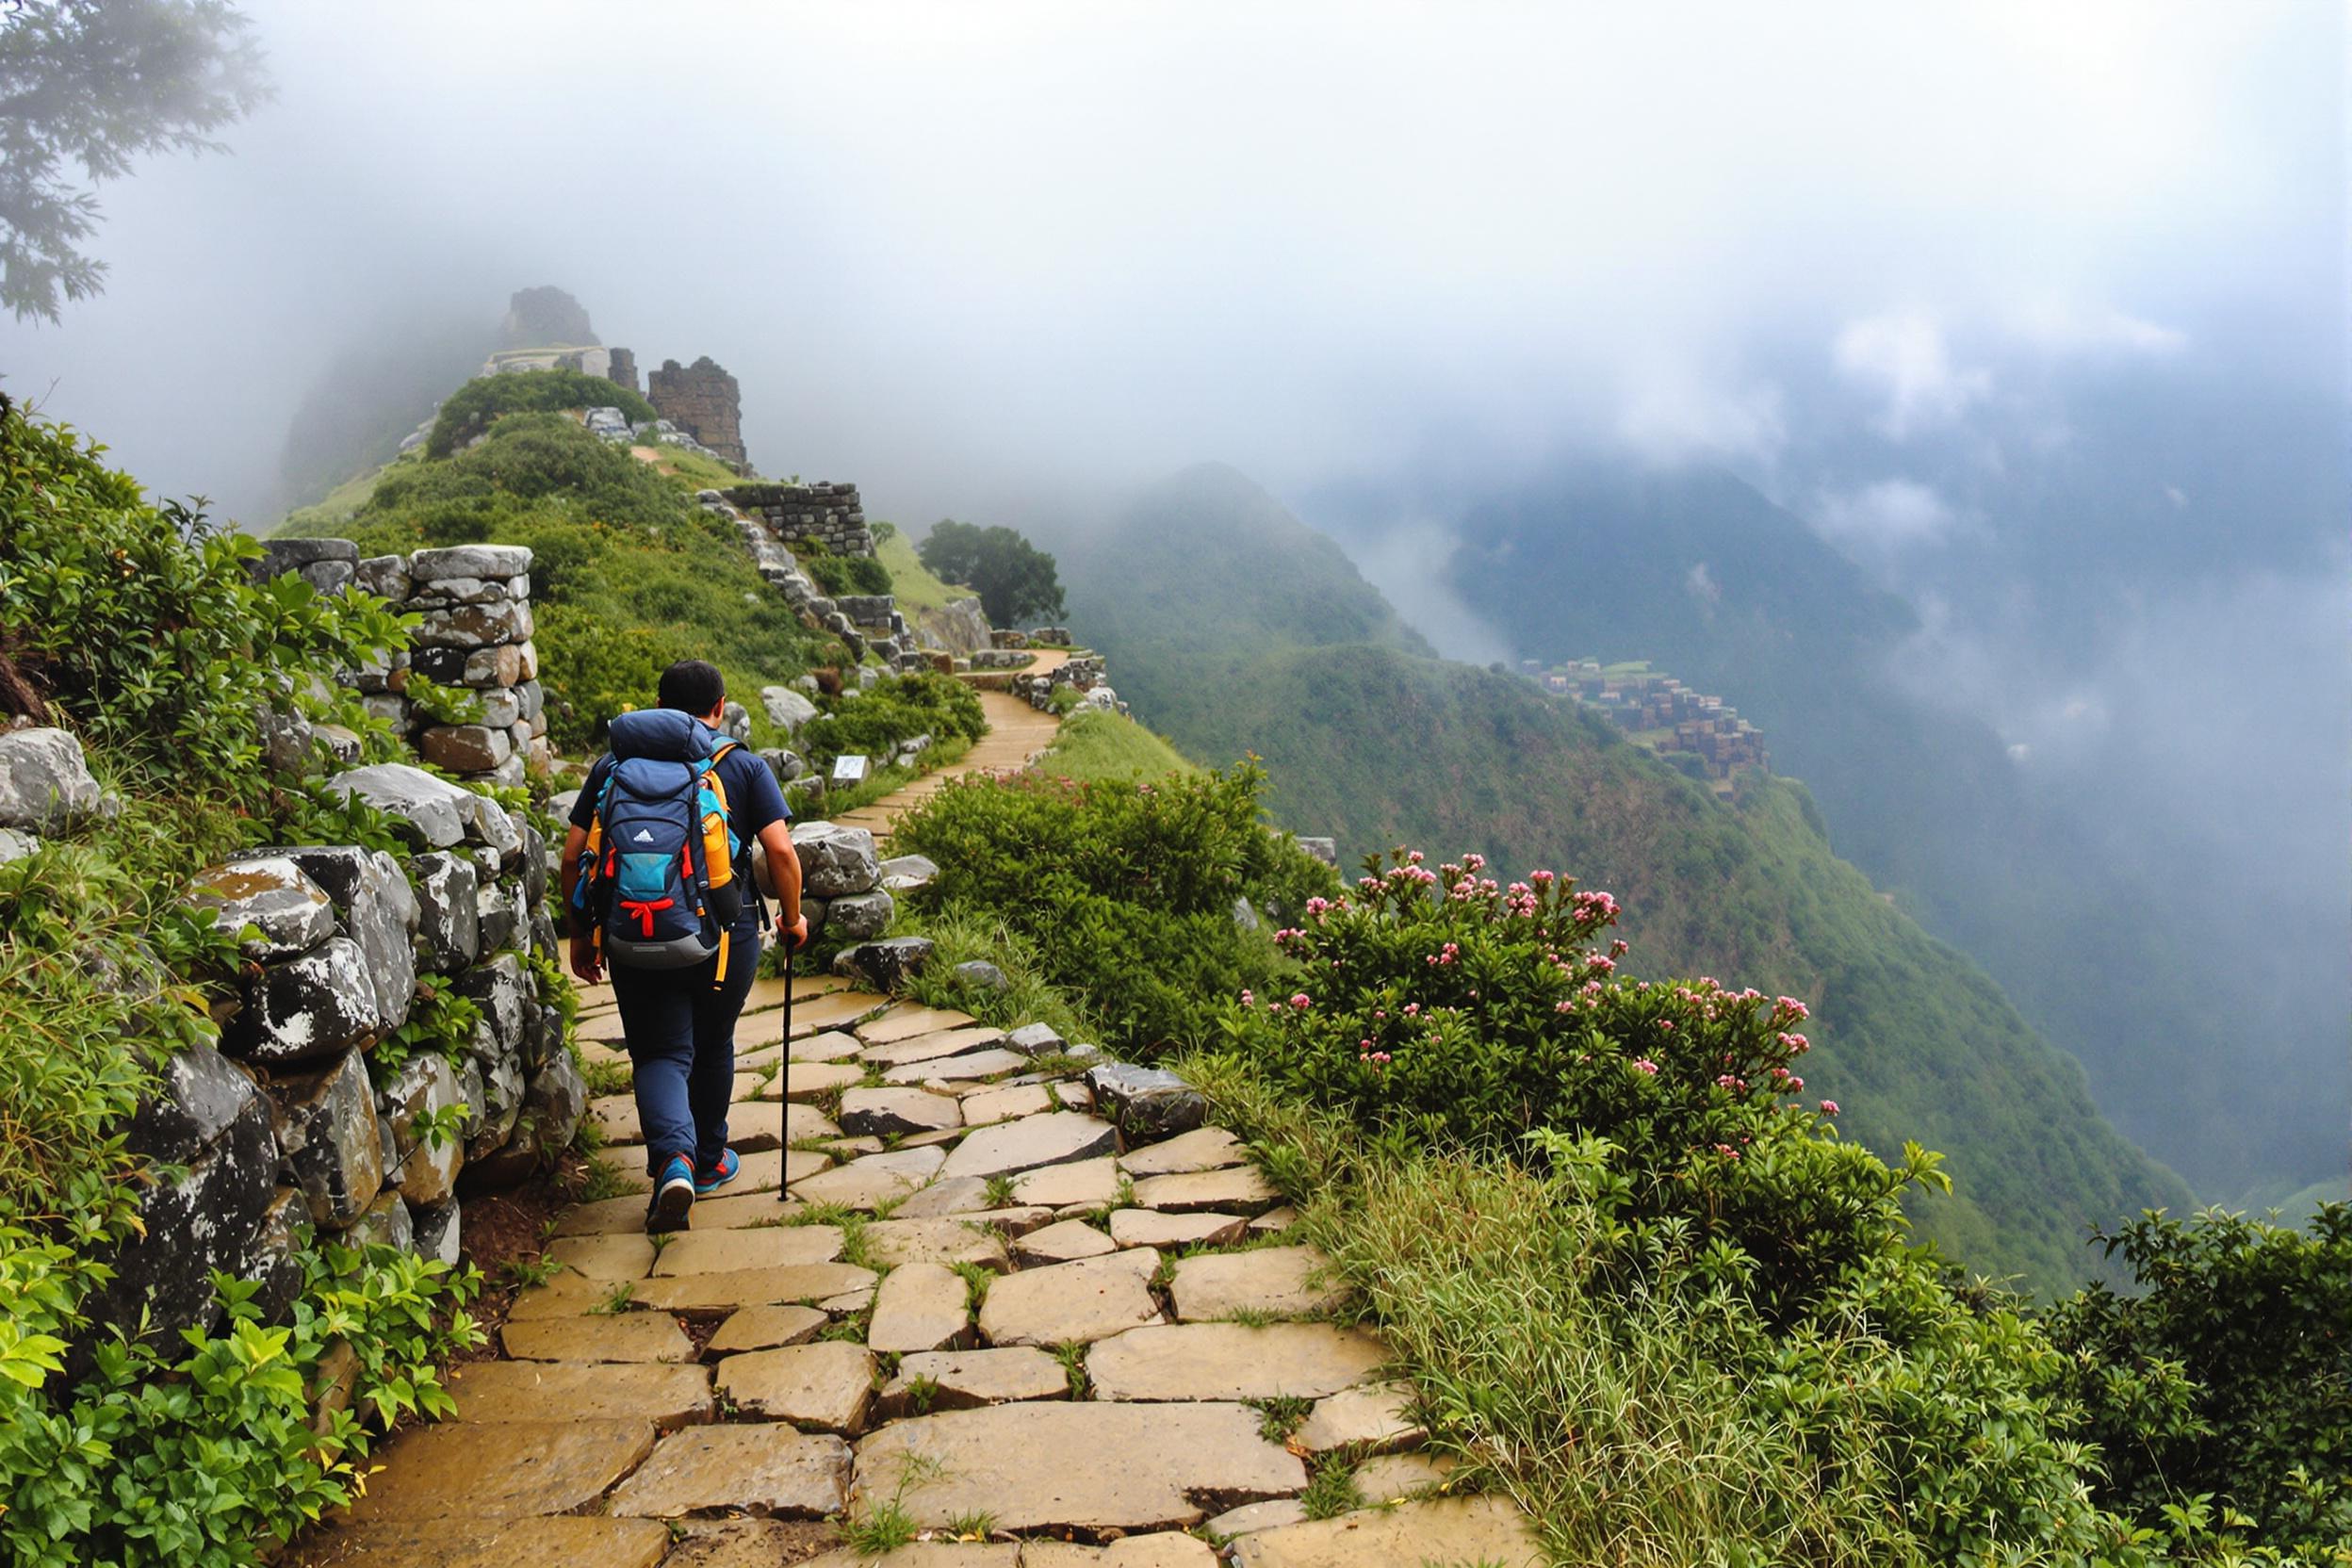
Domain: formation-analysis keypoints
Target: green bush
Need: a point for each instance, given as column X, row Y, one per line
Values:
column 2221, row 1394
column 842, row 574
column 472, row 407
column 894, row 709
column 1013, row 579
column 206, row 1457
column 1124, row 891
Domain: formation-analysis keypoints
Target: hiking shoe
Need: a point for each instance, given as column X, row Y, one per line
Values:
column 673, row 1197
column 718, row 1175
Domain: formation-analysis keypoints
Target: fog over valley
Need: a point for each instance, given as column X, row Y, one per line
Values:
column 1959, row 391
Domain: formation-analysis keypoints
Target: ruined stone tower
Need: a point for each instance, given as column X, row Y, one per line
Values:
column 622, row 371
column 702, row 399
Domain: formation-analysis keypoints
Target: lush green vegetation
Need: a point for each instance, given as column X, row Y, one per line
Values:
column 1125, row 892
column 1210, row 604
column 628, row 575
column 1015, row 580
column 140, row 628
column 896, row 709
column 1098, row 744
column 910, row 579
column 471, row 409
column 842, row 574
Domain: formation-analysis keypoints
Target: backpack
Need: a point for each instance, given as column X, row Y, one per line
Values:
column 658, row 878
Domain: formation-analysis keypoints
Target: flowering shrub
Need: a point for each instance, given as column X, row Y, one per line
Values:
column 1442, row 1007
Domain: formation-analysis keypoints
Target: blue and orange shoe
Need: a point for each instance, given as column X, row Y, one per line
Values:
column 718, row 1175
column 673, row 1197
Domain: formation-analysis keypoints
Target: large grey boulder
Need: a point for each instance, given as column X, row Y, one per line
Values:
column 432, row 814
column 308, row 1008
column 787, row 709
column 384, row 1224
column 503, row 993
column 886, row 964
column 835, row 860
column 326, row 564
column 423, row 1168
column 327, row 1135
column 903, row 874
column 448, row 910
column 476, row 626
column 45, row 786
column 502, row 1107
column 735, row 721
column 385, row 575
column 378, row 911
column 1146, row 1102
column 553, row 1103
column 466, row 747
column 787, row 765
column 478, row 560
column 859, row 916
column 208, row 1219
column 198, row 1094
column 287, row 912
column 435, row 1232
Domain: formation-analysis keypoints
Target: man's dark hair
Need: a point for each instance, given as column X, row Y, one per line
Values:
column 692, row 686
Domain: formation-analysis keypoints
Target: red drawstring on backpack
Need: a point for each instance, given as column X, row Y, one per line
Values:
column 644, row 909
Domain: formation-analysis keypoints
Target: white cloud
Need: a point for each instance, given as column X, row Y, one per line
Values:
column 1672, row 417
column 1892, row 515
column 2177, row 497
column 1702, row 584
column 1902, row 356
column 2060, row 327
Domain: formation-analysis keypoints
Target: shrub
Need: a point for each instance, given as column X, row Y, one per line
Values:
column 893, row 710
column 472, row 407
column 1124, row 891
column 2221, row 1392
column 842, row 574
column 1013, row 579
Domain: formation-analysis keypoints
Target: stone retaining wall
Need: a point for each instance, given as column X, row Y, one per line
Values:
column 476, row 604
column 860, row 621
column 795, row 513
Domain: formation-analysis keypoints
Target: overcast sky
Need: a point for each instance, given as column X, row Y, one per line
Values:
column 948, row 246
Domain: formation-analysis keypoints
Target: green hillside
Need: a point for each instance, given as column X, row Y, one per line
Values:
column 1700, row 573
column 1368, row 740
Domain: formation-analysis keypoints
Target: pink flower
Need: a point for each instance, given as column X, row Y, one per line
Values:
column 1299, row 1001
column 1317, row 906
column 1829, row 1108
column 1643, row 1064
column 1413, row 859
column 1541, row 878
column 1247, row 998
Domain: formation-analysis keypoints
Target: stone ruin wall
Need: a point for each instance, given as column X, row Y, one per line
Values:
column 300, row 1122
column 705, row 401
column 621, row 369
column 830, row 515
column 475, row 602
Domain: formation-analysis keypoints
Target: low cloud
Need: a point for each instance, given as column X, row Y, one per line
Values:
column 2060, row 327
column 1672, row 417
column 1902, row 358
column 1878, row 519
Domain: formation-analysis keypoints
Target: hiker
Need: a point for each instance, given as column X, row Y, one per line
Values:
column 657, row 873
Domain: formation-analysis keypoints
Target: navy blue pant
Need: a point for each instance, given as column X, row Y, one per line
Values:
column 681, row 1049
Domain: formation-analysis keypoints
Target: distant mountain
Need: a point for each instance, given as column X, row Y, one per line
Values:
column 1697, row 571
column 1233, row 627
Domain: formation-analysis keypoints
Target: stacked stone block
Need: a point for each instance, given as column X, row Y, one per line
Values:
column 476, row 634
column 882, row 628
column 842, row 890
column 1084, row 672
column 831, row 515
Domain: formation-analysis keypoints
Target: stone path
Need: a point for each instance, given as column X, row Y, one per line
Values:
column 1016, row 732
column 949, row 1291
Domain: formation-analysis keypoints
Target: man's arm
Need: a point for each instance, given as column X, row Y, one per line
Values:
column 784, row 871
column 584, row 941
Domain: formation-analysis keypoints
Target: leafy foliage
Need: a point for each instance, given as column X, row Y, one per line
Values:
column 1015, row 580
column 842, row 574
column 99, row 85
column 891, row 711
column 2221, row 1392
column 142, row 621
column 209, row 1458
column 1125, row 892
column 471, row 408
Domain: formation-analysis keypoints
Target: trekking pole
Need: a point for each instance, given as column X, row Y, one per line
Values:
column 784, row 1070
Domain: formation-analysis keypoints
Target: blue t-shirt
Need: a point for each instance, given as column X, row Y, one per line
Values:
column 753, row 802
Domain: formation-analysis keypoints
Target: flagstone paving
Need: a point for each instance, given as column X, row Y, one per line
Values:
column 1023, row 1317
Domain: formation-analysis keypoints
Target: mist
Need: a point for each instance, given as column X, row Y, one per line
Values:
column 2034, row 312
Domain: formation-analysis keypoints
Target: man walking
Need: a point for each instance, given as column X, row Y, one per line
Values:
column 677, row 1007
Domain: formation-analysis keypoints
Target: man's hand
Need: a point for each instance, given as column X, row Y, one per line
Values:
column 793, row 934
column 584, row 962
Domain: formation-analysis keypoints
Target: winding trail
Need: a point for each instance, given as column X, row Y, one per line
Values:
column 1016, row 732
column 952, row 1287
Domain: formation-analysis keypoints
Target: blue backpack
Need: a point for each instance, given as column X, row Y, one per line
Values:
column 657, row 881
